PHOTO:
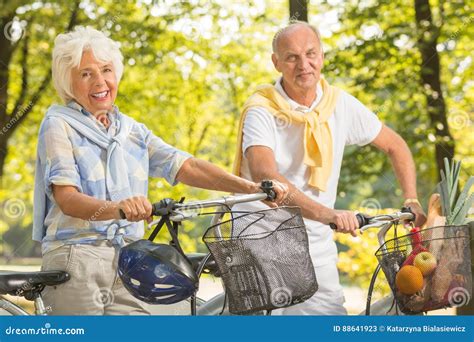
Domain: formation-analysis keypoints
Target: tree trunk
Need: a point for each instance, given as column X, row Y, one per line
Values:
column 430, row 74
column 299, row 10
column 10, row 121
column 428, row 34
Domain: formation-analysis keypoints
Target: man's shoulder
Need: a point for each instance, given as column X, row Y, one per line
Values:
column 258, row 112
column 347, row 101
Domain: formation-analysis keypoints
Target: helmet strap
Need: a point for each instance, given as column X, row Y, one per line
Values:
column 172, row 229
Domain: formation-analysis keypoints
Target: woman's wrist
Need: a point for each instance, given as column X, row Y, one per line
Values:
column 253, row 187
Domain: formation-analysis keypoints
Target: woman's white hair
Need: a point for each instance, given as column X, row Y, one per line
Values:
column 67, row 54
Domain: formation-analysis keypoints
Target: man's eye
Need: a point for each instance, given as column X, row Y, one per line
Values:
column 291, row 58
column 311, row 54
column 107, row 70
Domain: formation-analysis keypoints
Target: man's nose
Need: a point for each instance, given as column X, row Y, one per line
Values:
column 303, row 63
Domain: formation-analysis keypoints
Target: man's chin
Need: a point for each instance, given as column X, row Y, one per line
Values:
column 309, row 85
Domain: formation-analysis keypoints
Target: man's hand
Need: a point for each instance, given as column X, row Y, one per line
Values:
column 420, row 216
column 345, row 220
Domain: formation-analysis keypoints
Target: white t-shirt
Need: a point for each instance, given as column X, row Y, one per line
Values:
column 352, row 123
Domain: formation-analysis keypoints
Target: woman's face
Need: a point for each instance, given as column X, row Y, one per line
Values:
column 94, row 84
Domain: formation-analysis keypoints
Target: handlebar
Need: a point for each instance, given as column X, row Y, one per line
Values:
column 366, row 222
column 169, row 206
column 383, row 222
column 362, row 219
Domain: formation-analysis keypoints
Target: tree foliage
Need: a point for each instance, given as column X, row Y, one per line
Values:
column 189, row 67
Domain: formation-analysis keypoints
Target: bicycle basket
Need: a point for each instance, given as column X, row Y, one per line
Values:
column 446, row 270
column 264, row 259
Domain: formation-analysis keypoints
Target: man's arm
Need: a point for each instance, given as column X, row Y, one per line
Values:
column 263, row 166
column 397, row 150
column 193, row 172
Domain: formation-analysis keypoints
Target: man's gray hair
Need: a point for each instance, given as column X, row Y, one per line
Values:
column 67, row 54
column 291, row 26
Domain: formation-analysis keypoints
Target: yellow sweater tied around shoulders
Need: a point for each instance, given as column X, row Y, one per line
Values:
column 318, row 149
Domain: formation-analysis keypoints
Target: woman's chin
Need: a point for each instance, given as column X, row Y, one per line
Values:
column 101, row 109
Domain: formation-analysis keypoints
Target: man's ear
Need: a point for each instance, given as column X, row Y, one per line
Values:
column 275, row 61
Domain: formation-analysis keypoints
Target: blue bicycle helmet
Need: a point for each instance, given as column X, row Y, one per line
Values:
column 156, row 273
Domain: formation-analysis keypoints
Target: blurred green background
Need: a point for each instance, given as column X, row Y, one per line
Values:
column 190, row 65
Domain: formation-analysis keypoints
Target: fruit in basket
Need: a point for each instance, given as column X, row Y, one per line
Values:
column 409, row 280
column 411, row 257
column 425, row 262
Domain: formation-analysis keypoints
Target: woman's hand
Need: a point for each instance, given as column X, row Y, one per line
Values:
column 281, row 191
column 135, row 208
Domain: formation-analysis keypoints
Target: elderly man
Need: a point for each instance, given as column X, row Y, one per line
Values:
column 295, row 131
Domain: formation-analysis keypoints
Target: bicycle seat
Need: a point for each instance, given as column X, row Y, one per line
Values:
column 210, row 267
column 18, row 283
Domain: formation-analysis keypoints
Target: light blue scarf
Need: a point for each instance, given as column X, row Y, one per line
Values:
column 117, row 185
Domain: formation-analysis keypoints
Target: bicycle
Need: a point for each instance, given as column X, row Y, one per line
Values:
column 402, row 250
column 171, row 214
column 254, row 280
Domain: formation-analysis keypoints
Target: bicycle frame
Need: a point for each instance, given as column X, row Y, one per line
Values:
column 15, row 310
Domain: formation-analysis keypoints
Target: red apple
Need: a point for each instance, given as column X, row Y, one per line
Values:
column 425, row 262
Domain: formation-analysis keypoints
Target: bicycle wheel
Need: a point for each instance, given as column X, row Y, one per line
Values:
column 380, row 300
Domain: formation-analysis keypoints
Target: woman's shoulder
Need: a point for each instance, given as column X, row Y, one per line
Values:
column 53, row 122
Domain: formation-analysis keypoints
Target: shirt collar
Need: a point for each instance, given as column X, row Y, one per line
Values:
column 112, row 116
column 295, row 105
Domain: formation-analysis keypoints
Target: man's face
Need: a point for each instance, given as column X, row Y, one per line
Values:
column 299, row 58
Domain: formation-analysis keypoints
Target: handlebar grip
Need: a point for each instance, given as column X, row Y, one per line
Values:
column 122, row 214
column 361, row 219
column 163, row 207
column 267, row 187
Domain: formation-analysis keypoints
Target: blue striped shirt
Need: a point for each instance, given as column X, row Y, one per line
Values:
column 66, row 157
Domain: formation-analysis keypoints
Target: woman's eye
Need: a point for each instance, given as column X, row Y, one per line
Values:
column 85, row 74
column 107, row 70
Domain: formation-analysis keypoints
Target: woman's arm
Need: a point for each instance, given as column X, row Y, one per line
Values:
column 76, row 204
column 202, row 174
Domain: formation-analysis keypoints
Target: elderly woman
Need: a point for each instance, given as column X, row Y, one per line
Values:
column 92, row 162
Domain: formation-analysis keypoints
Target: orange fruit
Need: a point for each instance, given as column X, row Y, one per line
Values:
column 409, row 280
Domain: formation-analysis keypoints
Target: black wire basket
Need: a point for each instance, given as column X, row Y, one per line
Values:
column 263, row 258
column 442, row 256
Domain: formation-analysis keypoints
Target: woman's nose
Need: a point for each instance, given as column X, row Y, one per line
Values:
column 99, row 80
